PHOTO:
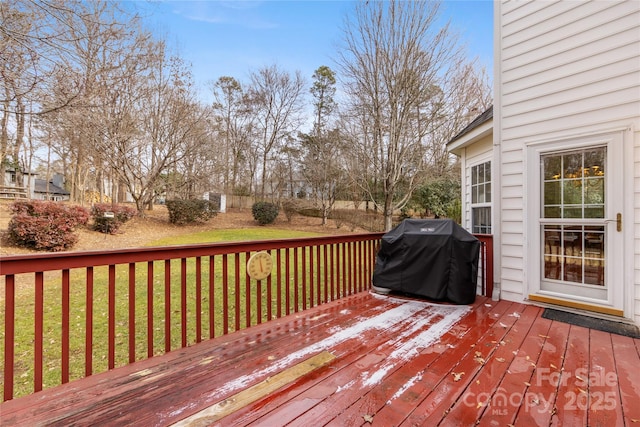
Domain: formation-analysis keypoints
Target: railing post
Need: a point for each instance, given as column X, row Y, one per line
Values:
column 279, row 282
column 132, row 312
column 183, row 302
column 304, row 278
column 88, row 345
column 225, row 294
column 9, row 335
column 486, row 263
column 212, row 296
column 167, row 305
column 198, row 299
column 39, row 327
column 65, row 326
column 149, row 309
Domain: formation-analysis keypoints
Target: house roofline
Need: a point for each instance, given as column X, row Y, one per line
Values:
column 480, row 127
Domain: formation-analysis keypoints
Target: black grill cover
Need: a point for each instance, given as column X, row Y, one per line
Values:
column 433, row 258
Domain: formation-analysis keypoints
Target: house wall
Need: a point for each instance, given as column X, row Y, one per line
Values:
column 563, row 69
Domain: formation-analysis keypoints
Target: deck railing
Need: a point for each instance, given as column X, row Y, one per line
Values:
column 70, row 315
column 147, row 301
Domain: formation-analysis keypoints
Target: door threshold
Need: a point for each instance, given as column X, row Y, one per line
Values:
column 594, row 308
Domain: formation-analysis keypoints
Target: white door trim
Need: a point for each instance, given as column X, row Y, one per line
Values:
column 614, row 196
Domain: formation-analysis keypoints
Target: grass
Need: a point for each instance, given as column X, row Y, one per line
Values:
column 24, row 351
column 231, row 235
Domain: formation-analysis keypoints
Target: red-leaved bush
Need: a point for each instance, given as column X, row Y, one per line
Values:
column 45, row 226
column 109, row 224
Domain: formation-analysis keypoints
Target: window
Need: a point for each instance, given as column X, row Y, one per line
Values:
column 481, row 198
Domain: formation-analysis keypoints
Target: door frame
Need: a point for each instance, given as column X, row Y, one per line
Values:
column 616, row 261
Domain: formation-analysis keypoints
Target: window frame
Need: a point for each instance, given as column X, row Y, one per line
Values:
column 485, row 204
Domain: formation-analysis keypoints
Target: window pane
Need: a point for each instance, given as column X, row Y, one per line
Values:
column 572, row 192
column 572, row 212
column 572, row 165
column 552, row 193
column 572, row 269
column 594, row 242
column 474, row 175
column 594, row 211
column 552, row 212
column 552, row 166
column 487, row 192
column 594, row 190
column 573, row 241
column 594, row 256
column 552, row 252
column 594, row 160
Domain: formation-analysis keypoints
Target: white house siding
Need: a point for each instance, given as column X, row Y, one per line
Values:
column 563, row 69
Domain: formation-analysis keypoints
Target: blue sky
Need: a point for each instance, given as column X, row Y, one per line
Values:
column 233, row 38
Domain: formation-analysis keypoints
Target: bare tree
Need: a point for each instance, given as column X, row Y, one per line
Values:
column 323, row 168
column 321, row 165
column 395, row 61
column 172, row 126
column 194, row 175
column 466, row 94
column 234, row 124
column 275, row 97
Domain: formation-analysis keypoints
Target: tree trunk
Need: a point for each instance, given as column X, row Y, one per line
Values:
column 388, row 211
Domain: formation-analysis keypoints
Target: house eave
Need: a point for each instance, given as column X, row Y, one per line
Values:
column 456, row 146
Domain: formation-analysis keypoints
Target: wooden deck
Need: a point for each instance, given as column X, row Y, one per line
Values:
column 368, row 359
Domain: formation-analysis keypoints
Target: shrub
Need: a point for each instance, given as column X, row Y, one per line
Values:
column 44, row 225
column 310, row 212
column 189, row 211
column 438, row 195
column 355, row 218
column 290, row 208
column 111, row 225
column 265, row 212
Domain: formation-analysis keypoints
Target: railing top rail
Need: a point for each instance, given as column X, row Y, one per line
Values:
column 17, row 264
column 483, row 236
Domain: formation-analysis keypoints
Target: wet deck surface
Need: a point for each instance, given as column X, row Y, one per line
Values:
column 368, row 359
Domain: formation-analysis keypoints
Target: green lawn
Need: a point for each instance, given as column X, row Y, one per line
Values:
column 24, row 351
column 232, row 235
